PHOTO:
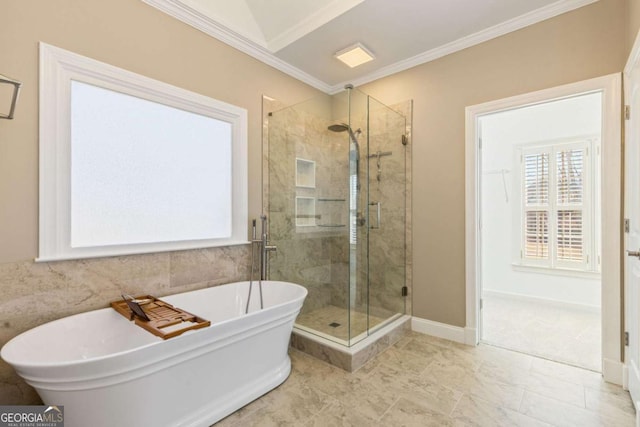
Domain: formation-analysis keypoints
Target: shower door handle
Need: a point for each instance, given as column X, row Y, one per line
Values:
column 378, row 206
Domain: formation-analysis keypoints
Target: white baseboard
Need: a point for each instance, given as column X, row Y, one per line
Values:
column 471, row 336
column 486, row 293
column 613, row 371
column 441, row 330
column 625, row 377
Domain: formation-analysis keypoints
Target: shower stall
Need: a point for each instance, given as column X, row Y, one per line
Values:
column 335, row 174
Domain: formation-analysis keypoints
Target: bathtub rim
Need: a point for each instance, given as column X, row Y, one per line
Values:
column 21, row 366
column 147, row 367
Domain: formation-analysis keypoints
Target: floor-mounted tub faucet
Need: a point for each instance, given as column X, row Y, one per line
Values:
column 265, row 248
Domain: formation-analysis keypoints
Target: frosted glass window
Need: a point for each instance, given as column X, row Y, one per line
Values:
column 133, row 165
column 145, row 172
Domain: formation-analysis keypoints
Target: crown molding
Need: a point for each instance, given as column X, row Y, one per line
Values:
column 199, row 21
column 311, row 23
column 190, row 16
column 533, row 17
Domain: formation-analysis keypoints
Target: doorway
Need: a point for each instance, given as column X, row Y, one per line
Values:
column 540, row 229
column 609, row 88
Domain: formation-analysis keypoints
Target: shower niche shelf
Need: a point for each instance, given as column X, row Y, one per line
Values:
column 305, row 211
column 305, row 173
column 331, row 209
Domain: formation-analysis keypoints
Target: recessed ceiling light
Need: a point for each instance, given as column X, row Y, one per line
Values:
column 355, row 55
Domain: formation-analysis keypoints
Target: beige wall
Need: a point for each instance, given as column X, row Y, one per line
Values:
column 585, row 43
column 136, row 37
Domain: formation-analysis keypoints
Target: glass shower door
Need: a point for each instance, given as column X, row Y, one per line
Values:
column 358, row 214
column 377, row 216
column 386, row 214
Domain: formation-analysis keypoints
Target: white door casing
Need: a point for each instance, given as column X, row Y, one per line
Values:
column 632, row 213
column 610, row 86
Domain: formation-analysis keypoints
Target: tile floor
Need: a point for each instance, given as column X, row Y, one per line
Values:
column 427, row 381
column 562, row 334
column 322, row 318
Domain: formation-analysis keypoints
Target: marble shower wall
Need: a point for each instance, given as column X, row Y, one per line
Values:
column 36, row 293
column 307, row 202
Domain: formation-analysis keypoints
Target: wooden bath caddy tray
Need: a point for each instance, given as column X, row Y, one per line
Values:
column 162, row 319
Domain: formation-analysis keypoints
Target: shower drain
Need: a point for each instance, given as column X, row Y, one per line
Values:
column 334, row 324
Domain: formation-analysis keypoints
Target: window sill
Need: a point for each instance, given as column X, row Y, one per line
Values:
column 568, row 272
column 151, row 248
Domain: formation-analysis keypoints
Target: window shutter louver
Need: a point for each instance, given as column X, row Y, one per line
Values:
column 570, row 235
column 570, row 166
column 537, row 235
column 536, row 180
column 570, row 196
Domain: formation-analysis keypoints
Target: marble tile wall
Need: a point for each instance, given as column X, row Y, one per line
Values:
column 36, row 293
column 316, row 255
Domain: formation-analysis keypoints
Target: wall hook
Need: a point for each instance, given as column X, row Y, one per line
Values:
column 14, row 99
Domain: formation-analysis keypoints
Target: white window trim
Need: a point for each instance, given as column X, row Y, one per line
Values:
column 57, row 68
column 591, row 223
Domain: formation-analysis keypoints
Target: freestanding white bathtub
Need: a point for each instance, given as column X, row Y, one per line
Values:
column 107, row 371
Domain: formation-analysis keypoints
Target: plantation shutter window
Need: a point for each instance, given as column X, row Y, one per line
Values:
column 556, row 206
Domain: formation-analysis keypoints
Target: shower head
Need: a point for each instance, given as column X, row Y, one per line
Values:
column 354, row 151
column 339, row 127
column 354, row 147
